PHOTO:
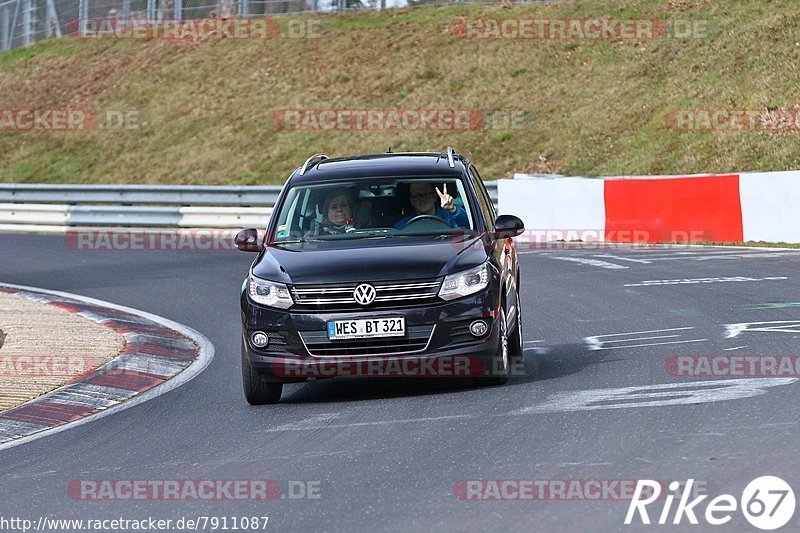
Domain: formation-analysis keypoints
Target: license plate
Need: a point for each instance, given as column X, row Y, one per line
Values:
column 366, row 328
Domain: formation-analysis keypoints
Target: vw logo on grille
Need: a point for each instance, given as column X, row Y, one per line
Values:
column 364, row 294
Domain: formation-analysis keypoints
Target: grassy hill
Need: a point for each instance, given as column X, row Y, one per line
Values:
column 591, row 107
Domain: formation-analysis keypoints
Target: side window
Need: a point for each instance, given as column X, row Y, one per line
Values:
column 483, row 198
column 294, row 221
column 288, row 212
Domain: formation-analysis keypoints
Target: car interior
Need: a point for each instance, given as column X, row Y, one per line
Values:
column 375, row 205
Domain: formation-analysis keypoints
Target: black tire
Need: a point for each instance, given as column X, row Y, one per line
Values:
column 499, row 366
column 515, row 348
column 256, row 390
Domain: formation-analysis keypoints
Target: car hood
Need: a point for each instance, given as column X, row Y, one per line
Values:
column 370, row 260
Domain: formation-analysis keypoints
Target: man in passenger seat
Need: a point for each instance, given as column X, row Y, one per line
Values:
column 423, row 198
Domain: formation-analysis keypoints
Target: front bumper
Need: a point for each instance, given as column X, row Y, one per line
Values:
column 450, row 351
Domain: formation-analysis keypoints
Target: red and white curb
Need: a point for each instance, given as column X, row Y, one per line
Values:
column 160, row 355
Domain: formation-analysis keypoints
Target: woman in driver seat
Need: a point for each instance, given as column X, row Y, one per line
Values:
column 426, row 199
column 337, row 213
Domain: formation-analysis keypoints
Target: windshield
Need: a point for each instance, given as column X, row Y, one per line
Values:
column 374, row 208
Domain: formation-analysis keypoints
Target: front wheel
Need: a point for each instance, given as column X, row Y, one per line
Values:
column 499, row 367
column 515, row 349
column 256, row 390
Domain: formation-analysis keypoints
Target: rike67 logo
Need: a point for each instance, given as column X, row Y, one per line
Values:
column 767, row 503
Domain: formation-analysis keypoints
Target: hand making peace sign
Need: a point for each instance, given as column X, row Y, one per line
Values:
column 446, row 199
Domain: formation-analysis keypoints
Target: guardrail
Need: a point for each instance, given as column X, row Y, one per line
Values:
column 55, row 208
column 187, row 195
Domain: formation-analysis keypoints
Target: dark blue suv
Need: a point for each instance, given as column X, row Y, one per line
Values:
column 392, row 263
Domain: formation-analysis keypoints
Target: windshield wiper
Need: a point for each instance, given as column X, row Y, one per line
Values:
column 296, row 241
column 437, row 233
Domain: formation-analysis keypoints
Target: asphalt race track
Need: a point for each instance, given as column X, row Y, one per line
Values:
column 388, row 453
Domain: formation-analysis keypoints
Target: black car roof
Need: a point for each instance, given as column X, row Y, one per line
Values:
column 404, row 164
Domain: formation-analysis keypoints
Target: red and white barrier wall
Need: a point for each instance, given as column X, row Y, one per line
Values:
column 704, row 208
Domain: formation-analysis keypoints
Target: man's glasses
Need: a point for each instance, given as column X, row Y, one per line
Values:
column 422, row 196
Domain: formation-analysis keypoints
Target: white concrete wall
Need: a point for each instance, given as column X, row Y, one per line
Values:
column 557, row 204
column 770, row 206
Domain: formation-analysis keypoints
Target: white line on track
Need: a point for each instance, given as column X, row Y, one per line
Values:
column 651, row 395
column 204, row 357
column 620, row 258
column 313, row 421
column 697, row 281
column 650, row 344
column 779, row 326
column 590, row 262
column 305, row 427
column 656, row 395
column 643, row 332
column 721, row 255
column 643, row 338
column 599, row 342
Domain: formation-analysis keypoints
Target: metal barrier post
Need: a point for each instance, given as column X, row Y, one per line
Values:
column 5, row 28
column 27, row 22
column 83, row 15
column 51, row 20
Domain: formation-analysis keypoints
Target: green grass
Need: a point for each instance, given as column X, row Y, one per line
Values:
column 590, row 107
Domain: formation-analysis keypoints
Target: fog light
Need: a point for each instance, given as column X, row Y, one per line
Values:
column 478, row 328
column 259, row 339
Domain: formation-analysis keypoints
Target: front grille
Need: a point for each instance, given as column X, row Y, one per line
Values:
column 416, row 340
column 339, row 296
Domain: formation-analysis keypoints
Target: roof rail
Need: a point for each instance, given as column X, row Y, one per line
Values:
column 310, row 162
column 450, row 155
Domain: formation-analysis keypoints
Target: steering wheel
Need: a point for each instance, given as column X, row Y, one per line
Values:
column 432, row 218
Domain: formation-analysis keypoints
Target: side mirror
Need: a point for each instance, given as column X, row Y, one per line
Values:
column 247, row 241
column 507, row 226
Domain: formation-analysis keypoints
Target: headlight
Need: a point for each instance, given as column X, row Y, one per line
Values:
column 269, row 293
column 465, row 283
